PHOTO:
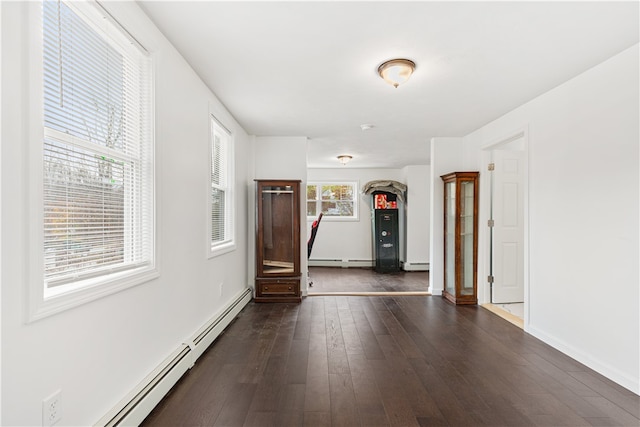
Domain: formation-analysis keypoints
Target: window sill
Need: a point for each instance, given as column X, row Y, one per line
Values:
column 78, row 293
column 221, row 249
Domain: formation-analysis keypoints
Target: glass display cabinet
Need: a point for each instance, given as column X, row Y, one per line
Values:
column 277, row 241
column 460, row 237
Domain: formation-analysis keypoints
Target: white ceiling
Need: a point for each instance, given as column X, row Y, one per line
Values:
column 309, row 68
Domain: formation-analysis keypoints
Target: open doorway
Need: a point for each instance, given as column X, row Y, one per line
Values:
column 343, row 256
column 506, row 237
column 371, row 278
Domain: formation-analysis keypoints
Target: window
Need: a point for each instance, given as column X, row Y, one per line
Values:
column 98, row 189
column 221, row 236
column 334, row 200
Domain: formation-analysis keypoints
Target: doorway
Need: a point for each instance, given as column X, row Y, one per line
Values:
column 343, row 260
column 506, row 225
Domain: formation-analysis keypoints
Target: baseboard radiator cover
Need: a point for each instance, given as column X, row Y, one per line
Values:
column 343, row 263
column 415, row 266
column 139, row 403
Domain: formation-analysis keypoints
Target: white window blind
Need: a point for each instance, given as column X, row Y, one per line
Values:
column 98, row 154
column 221, row 191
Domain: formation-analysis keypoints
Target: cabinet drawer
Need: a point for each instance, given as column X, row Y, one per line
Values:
column 278, row 288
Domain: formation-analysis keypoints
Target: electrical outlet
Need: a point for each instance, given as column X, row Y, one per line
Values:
column 221, row 288
column 52, row 409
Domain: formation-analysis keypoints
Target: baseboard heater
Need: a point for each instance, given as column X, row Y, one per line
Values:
column 344, row 263
column 138, row 404
column 415, row 266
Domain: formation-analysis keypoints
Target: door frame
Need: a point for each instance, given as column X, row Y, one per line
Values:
column 484, row 288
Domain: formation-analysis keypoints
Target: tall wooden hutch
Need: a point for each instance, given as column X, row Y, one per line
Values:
column 278, row 241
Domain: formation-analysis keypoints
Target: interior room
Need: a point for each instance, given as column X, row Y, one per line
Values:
column 140, row 140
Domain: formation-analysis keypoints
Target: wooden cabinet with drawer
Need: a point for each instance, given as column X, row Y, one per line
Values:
column 277, row 241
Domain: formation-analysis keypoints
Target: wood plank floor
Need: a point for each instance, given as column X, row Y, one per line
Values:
column 387, row 361
column 335, row 279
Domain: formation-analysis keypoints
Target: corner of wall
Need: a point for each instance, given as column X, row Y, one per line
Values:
column 446, row 156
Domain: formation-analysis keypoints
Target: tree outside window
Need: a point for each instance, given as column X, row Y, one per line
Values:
column 97, row 148
column 337, row 200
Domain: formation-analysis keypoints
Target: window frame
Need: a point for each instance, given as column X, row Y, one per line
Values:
column 228, row 244
column 325, row 217
column 43, row 301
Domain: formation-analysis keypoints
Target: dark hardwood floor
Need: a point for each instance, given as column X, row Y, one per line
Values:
column 387, row 361
column 335, row 279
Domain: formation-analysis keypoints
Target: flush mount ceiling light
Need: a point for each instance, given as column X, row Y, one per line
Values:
column 344, row 159
column 396, row 71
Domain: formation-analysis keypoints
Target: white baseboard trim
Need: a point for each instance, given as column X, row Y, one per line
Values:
column 611, row 372
column 139, row 403
column 415, row 266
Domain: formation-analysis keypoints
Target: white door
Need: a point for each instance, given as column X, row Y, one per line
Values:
column 508, row 225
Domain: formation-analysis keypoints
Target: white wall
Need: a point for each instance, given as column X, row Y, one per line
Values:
column 348, row 240
column 583, row 293
column 96, row 353
column 281, row 158
column 446, row 156
column 418, row 180
column 0, row 219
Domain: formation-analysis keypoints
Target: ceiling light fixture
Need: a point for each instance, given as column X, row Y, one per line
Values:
column 396, row 71
column 344, row 159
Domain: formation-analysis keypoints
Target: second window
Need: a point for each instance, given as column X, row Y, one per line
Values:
column 335, row 200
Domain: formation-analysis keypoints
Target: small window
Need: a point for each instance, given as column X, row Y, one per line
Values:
column 334, row 200
column 221, row 227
